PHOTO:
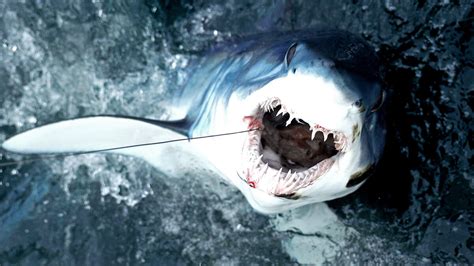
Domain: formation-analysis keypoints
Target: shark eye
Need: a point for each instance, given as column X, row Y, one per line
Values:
column 378, row 103
column 359, row 104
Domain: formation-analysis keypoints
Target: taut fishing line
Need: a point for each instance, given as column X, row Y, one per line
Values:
column 67, row 154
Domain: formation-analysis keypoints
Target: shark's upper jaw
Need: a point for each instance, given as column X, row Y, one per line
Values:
column 287, row 154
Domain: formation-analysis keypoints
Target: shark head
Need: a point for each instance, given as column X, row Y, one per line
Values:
column 318, row 133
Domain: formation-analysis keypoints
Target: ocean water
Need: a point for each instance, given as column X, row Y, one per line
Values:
column 66, row 59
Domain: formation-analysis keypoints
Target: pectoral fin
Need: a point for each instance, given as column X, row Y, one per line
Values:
column 97, row 133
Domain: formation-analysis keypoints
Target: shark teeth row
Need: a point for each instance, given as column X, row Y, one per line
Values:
column 277, row 182
column 270, row 104
column 340, row 140
column 272, row 181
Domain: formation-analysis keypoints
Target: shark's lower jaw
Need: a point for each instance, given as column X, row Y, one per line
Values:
column 286, row 154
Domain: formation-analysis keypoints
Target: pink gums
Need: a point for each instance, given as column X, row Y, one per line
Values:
column 252, row 123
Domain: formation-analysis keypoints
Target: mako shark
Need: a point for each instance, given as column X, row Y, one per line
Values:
column 307, row 101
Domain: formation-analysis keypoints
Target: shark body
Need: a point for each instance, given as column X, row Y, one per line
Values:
column 309, row 99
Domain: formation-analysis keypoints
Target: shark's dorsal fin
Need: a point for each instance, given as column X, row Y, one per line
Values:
column 98, row 133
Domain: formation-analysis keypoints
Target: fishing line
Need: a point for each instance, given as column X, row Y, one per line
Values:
column 67, row 154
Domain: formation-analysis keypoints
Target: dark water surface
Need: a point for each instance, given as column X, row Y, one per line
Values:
column 65, row 59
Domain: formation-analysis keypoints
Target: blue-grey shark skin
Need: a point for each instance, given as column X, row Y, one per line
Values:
column 242, row 69
column 245, row 66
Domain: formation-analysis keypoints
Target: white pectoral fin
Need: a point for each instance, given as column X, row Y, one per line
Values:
column 92, row 134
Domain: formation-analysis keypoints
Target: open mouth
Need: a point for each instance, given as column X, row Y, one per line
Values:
column 287, row 154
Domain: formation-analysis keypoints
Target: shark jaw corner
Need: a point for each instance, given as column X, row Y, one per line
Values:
column 309, row 99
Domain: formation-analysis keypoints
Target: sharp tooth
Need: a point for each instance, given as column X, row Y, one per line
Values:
column 276, row 181
column 294, row 183
column 313, row 133
column 294, row 177
column 292, row 180
column 265, row 169
column 261, row 173
column 261, row 170
column 257, row 162
column 275, row 103
column 301, row 180
column 288, row 174
column 325, row 135
column 281, row 112
column 289, row 120
column 305, row 178
column 279, row 173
